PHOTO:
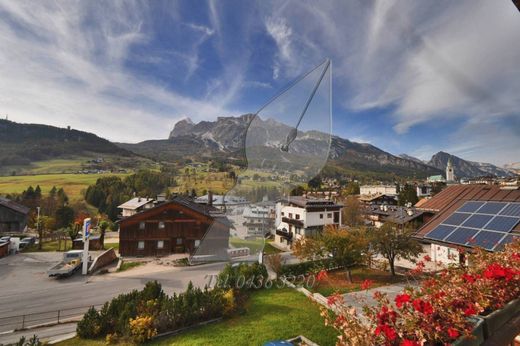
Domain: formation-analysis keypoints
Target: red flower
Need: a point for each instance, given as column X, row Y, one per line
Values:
column 468, row 278
column 389, row 332
column 453, row 333
column 407, row 342
column 470, row 310
column 516, row 256
column 422, row 306
column 365, row 285
column 427, row 258
column 322, row 275
column 400, row 299
column 496, row 271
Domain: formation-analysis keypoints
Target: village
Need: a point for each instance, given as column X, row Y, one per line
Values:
column 189, row 239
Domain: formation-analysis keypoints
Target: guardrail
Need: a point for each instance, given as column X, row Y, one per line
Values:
column 40, row 319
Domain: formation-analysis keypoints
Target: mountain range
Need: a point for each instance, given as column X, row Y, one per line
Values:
column 223, row 139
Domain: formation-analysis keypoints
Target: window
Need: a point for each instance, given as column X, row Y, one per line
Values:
column 290, row 228
column 321, row 216
column 290, row 215
column 297, row 216
column 160, row 244
column 161, row 225
column 329, row 215
column 140, row 245
column 179, row 241
column 141, row 225
column 298, row 230
column 197, row 243
column 283, row 214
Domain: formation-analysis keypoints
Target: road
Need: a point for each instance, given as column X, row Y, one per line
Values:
column 25, row 289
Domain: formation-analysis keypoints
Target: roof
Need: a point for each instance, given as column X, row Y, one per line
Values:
column 453, row 197
column 222, row 199
column 306, row 202
column 395, row 214
column 203, row 209
column 17, row 207
column 135, row 203
column 373, row 197
column 421, row 202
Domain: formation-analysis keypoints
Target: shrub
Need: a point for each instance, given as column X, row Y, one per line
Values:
column 90, row 325
column 141, row 329
column 305, row 268
column 242, row 277
column 229, row 303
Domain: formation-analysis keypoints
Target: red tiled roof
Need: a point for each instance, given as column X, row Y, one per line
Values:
column 453, row 197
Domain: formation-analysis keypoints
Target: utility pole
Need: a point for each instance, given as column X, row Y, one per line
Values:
column 86, row 234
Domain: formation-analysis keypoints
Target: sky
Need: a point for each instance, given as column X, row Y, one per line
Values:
column 409, row 76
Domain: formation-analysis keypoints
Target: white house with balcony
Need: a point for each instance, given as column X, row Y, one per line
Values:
column 299, row 217
column 136, row 205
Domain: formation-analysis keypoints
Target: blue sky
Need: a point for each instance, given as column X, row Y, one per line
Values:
column 408, row 76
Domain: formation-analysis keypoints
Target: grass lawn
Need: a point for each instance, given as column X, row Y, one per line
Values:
column 50, row 246
column 129, row 265
column 337, row 281
column 270, row 250
column 254, row 245
column 73, row 184
column 271, row 315
column 113, row 245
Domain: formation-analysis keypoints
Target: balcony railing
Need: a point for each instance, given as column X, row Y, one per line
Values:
column 284, row 233
column 290, row 221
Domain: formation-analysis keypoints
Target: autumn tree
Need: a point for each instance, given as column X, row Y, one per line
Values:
column 352, row 213
column 347, row 247
column 393, row 243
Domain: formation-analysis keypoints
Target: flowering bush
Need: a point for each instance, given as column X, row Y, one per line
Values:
column 437, row 312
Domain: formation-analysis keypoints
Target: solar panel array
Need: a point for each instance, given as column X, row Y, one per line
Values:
column 484, row 224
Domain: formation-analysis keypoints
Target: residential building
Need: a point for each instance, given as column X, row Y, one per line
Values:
column 378, row 199
column 377, row 215
column 175, row 226
column 469, row 216
column 436, row 179
column 423, row 190
column 136, row 205
column 389, row 190
column 13, row 216
column 259, row 218
column 222, row 202
column 298, row 217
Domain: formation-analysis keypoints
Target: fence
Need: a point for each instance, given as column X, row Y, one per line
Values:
column 20, row 322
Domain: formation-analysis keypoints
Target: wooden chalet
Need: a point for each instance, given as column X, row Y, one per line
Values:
column 175, row 226
column 13, row 216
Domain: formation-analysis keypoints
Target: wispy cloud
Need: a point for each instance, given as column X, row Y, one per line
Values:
column 66, row 66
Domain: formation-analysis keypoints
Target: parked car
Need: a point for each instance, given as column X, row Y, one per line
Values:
column 27, row 241
column 69, row 265
column 5, row 239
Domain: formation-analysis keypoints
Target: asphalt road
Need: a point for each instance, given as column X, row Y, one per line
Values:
column 25, row 288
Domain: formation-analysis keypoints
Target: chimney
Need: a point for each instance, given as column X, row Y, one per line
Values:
column 210, row 198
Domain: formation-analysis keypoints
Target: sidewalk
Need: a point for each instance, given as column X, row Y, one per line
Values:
column 49, row 334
